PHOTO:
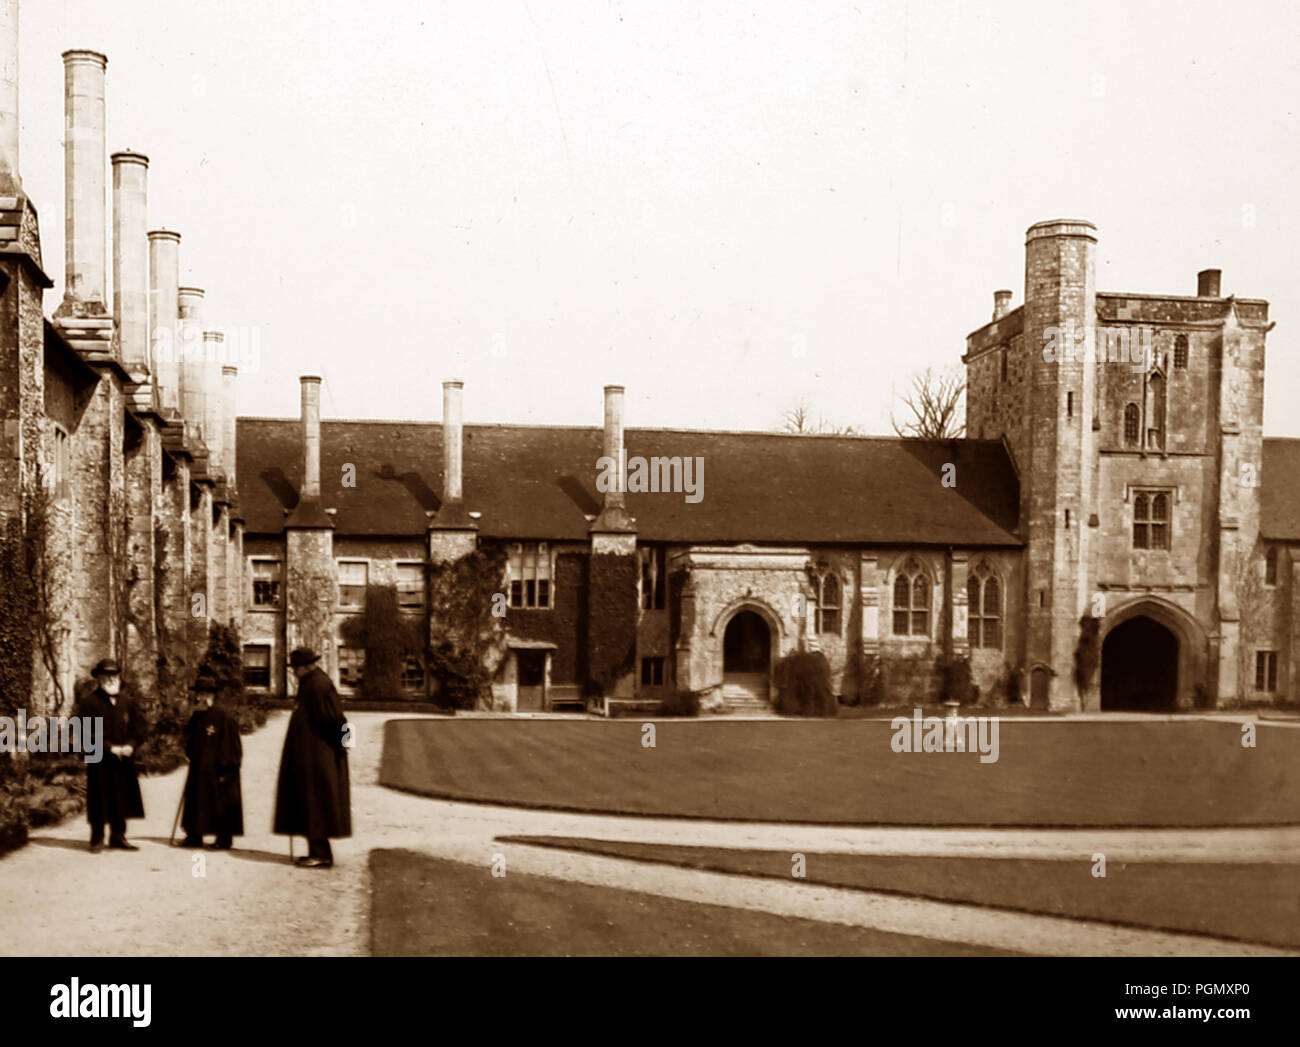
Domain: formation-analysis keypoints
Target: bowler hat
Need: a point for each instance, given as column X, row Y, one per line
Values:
column 303, row 656
column 107, row 667
column 205, row 683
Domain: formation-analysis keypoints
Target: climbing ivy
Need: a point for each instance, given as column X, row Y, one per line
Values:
column 467, row 639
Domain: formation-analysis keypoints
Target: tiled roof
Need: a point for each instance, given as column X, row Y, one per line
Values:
column 539, row 482
column 1279, row 511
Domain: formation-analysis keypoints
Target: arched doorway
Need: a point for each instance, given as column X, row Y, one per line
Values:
column 1139, row 667
column 746, row 657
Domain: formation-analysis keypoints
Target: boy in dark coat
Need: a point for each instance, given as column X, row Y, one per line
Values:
column 313, row 796
column 112, row 786
column 213, row 800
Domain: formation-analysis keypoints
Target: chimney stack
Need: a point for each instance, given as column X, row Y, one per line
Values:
column 84, row 152
column 1207, row 283
column 193, row 342
column 131, row 259
column 228, row 405
column 453, row 460
column 214, row 415
column 310, row 439
column 613, row 448
column 9, row 177
column 1001, row 304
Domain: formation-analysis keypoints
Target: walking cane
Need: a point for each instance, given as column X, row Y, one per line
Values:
column 171, row 840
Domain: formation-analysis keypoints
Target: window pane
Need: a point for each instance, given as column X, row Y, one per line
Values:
column 1272, row 671
column 902, row 588
column 973, row 595
column 992, row 597
column 1259, row 670
column 543, row 593
column 830, row 622
column 900, row 623
column 530, row 593
column 919, row 623
column 1140, row 507
column 516, row 594
column 1160, row 507
column 920, row 592
column 993, row 632
column 1159, row 536
column 830, row 591
column 1139, row 536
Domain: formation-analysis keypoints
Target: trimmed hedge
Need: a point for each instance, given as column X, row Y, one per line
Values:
column 803, row 685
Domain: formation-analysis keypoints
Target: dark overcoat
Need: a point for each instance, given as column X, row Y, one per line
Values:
column 313, row 797
column 112, row 785
column 214, row 802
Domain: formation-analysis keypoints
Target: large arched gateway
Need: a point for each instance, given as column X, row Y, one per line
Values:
column 1139, row 667
column 1153, row 657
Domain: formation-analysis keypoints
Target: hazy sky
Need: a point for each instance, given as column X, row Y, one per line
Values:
column 726, row 207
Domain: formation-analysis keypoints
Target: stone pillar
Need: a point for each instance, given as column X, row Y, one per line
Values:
column 193, row 370
column 214, row 422
column 453, row 533
column 10, row 179
column 84, row 161
column 164, row 275
column 131, row 258
column 229, row 409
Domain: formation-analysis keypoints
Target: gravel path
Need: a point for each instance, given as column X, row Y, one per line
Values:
column 251, row 902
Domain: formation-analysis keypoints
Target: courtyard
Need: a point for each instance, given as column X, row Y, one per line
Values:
column 713, row 875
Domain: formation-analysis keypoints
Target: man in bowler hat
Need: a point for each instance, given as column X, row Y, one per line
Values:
column 313, row 795
column 213, row 800
column 112, row 786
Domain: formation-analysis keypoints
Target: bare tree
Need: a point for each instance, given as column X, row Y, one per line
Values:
column 936, row 403
column 799, row 420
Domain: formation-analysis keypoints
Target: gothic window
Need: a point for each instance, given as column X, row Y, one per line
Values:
column 1180, row 351
column 1270, row 566
column 828, row 603
column 410, row 586
column 984, row 600
column 653, row 577
column 530, row 575
column 1156, row 412
column 1131, row 425
column 1151, row 520
column 1266, row 670
column 911, row 601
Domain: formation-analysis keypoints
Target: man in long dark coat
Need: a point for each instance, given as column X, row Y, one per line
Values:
column 213, row 800
column 313, row 797
column 112, row 786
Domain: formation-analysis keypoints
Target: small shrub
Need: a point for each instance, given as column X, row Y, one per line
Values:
column 956, row 682
column 803, row 685
column 680, row 703
column 1012, row 686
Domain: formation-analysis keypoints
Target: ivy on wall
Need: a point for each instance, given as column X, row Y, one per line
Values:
column 611, row 620
column 467, row 641
column 389, row 637
column 1087, row 655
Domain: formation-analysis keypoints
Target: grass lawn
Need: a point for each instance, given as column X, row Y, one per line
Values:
column 424, row 906
column 1091, row 773
column 1254, row 902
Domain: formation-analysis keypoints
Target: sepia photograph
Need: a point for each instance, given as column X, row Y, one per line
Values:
column 670, row 479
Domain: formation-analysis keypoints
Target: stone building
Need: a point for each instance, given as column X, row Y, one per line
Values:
column 117, row 509
column 1115, row 532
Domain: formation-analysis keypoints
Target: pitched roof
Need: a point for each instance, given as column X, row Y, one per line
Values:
column 1279, row 510
column 540, row 482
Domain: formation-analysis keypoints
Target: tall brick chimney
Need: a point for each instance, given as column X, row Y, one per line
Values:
column 214, row 415
column 1001, row 304
column 9, row 176
column 453, row 445
column 229, row 403
column 310, row 491
column 193, row 340
column 131, row 259
column 84, row 154
column 613, row 445
column 1207, row 283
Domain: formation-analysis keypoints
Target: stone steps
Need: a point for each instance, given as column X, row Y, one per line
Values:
column 746, row 694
